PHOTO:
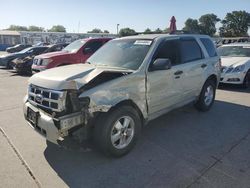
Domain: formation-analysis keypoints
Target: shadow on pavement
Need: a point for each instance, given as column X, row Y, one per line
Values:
column 234, row 88
column 172, row 152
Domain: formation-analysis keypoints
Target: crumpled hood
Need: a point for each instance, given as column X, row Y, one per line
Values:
column 71, row 76
column 234, row 61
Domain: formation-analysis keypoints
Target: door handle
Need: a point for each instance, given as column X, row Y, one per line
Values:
column 203, row 66
column 178, row 72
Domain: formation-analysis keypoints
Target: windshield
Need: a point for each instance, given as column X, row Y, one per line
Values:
column 25, row 50
column 74, row 46
column 125, row 53
column 234, row 51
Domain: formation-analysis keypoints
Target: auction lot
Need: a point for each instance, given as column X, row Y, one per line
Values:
column 184, row 148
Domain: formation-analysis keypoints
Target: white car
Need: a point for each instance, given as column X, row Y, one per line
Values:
column 125, row 84
column 235, row 60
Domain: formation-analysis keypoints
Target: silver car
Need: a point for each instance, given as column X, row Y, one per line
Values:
column 124, row 85
column 235, row 64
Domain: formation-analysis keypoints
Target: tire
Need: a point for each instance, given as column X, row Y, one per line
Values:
column 9, row 66
column 246, row 82
column 113, row 125
column 207, row 96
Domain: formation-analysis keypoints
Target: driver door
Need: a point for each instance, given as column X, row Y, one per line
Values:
column 164, row 87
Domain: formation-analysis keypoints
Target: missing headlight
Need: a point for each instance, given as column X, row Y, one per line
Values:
column 76, row 104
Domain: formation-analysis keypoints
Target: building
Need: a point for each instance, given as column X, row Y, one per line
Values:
column 10, row 38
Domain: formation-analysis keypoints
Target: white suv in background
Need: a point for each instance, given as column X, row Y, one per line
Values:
column 126, row 83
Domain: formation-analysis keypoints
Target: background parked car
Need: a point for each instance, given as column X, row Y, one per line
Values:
column 235, row 64
column 76, row 52
column 6, row 60
column 56, row 47
column 17, row 48
column 23, row 65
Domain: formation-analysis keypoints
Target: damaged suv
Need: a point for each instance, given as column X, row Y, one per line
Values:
column 125, row 84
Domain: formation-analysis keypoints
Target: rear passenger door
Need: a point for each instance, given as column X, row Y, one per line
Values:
column 193, row 67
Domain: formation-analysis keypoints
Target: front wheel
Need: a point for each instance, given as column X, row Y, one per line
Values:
column 116, row 133
column 207, row 95
column 246, row 82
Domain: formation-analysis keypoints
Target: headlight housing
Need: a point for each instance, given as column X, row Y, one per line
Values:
column 239, row 68
column 45, row 62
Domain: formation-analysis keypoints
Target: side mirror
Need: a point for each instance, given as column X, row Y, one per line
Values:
column 87, row 51
column 161, row 64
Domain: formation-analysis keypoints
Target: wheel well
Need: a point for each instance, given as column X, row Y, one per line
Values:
column 213, row 77
column 132, row 104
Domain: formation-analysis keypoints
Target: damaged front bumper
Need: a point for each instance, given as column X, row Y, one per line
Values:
column 54, row 129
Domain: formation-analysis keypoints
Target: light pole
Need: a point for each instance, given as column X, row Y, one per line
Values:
column 117, row 29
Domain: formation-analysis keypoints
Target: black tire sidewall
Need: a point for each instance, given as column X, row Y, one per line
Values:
column 201, row 105
column 246, row 82
column 105, row 125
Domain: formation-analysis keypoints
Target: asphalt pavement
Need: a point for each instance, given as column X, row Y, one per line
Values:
column 184, row 148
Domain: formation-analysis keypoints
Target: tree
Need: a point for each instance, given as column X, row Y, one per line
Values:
column 96, row 30
column 157, row 31
column 192, row 26
column 17, row 28
column 147, row 31
column 235, row 24
column 166, row 30
column 105, row 31
column 57, row 28
column 126, row 32
column 35, row 28
column 207, row 24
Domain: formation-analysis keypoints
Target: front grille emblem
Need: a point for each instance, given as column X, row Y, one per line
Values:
column 39, row 98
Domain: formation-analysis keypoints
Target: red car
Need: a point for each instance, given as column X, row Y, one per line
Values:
column 76, row 52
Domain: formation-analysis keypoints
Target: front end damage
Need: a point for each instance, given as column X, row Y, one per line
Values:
column 56, row 125
column 56, row 114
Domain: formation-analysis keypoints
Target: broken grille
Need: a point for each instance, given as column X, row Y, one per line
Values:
column 49, row 99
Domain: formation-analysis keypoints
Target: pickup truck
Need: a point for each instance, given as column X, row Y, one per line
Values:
column 124, row 85
column 76, row 52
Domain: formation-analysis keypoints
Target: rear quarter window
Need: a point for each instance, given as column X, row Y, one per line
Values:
column 190, row 51
column 209, row 45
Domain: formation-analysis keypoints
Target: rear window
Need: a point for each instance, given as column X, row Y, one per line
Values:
column 190, row 50
column 209, row 47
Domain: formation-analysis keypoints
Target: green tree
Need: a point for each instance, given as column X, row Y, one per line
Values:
column 57, row 28
column 158, row 30
column 35, row 28
column 192, row 26
column 17, row 28
column 207, row 24
column 235, row 24
column 147, row 31
column 105, row 31
column 96, row 30
column 126, row 32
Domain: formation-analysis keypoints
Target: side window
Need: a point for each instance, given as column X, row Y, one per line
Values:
column 190, row 50
column 91, row 47
column 38, row 51
column 209, row 47
column 169, row 50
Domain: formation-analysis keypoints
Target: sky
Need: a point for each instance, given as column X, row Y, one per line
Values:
column 84, row 15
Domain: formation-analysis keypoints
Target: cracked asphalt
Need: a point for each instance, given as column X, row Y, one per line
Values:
column 184, row 148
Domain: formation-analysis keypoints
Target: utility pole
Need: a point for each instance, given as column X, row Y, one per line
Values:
column 78, row 26
column 117, row 29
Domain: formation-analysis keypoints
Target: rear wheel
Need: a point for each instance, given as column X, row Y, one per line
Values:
column 116, row 133
column 207, row 95
column 246, row 82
